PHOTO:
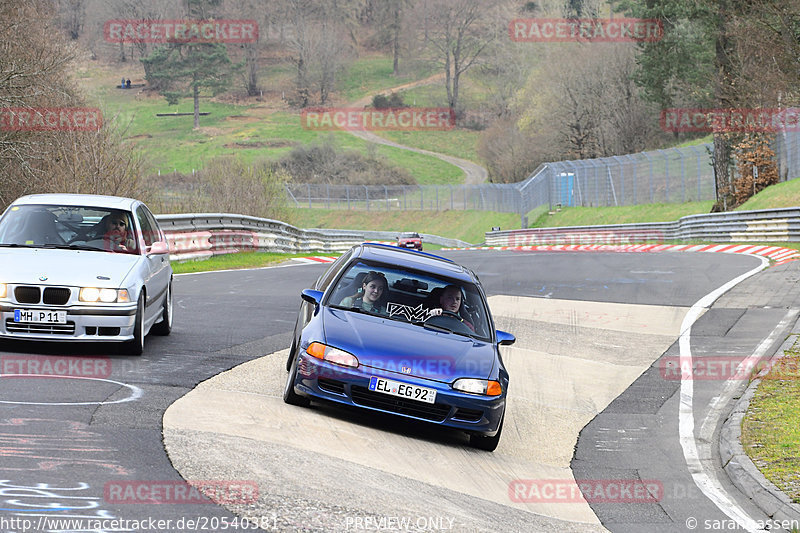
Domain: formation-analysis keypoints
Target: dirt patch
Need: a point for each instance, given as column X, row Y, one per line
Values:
column 211, row 132
column 142, row 136
column 242, row 118
column 271, row 143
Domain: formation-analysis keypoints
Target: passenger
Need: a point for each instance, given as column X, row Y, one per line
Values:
column 370, row 297
column 450, row 300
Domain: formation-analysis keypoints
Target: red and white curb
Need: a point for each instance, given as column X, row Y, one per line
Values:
column 316, row 259
column 776, row 253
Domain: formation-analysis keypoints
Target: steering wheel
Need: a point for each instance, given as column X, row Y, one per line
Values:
column 452, row 314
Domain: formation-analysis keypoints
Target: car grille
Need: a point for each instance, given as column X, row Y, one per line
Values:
column 27, row 295
column 434, row 412
column 45, row 329
column 468, row 415
column 331, row 385
column 56, row 295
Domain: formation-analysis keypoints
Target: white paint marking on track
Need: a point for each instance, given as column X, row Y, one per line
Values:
column 703, row 477
column 136, row 392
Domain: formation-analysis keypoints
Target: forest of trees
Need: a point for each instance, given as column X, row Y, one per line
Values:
column 532, row 102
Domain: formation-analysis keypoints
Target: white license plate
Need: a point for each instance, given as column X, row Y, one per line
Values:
column 403, row 390
column 40, row 316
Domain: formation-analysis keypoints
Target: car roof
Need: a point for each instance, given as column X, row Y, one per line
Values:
column 92, row 200
column 415, row 260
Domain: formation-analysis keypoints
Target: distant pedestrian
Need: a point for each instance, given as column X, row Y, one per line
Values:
column 122, row 84
column 128, row 84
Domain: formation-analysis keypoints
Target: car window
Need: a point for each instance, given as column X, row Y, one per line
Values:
column 158, row 235
column 410, row 296
column 84, row 227
column 149, row 232
column 328, row 276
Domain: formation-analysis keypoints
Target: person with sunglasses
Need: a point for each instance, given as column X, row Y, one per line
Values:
column 117, row 236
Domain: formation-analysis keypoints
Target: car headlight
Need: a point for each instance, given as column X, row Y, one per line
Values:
column 478, row 386
column 331, row 354
column 93, row 294
column 3, row 290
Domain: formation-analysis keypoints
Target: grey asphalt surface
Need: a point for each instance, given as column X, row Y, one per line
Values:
column 224, row 319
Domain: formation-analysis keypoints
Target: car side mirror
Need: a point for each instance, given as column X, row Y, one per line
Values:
column 311, row 296
column 505, row 338
column 158, row 247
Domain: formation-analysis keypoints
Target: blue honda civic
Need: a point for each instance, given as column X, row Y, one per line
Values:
column 405, row 333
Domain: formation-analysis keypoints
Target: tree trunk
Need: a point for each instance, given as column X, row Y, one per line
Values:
column 396, row 42
column 722, row 156
column 196, row 94
column 722, row 92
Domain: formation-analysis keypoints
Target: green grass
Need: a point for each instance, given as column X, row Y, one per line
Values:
column 232, row 261
column 468, row 226
column 456, row 142
column 771, row 427
column 592, row 216
column 785, row 194
column 372, row 74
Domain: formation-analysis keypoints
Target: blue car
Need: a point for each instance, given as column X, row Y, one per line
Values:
column 405, row 333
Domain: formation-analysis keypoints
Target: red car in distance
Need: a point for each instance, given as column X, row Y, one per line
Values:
column 409, row 240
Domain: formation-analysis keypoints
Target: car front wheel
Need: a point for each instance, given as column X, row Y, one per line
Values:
column 483, row 442
column 135, row 346
column 289, row 395
column 165, row 326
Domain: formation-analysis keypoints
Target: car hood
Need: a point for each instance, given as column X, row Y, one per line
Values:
column 76, row 268
column 407, row 349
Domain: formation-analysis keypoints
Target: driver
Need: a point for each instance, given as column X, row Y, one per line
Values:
column 117, row 236
column 450, row 300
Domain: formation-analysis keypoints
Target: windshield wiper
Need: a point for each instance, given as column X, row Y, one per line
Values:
column 16, row 245
column 72, row 247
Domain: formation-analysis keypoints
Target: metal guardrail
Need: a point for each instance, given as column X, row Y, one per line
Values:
column 198, row 235
column 768, row 225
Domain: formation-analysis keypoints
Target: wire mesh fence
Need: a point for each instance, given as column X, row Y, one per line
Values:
column 673, row 175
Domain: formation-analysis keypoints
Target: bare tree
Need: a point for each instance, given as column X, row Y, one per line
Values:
column 319, row 47
column 35, row 72
column 458, row 33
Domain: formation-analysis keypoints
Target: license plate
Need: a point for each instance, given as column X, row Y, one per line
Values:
column 40, row 316
column 403, row 390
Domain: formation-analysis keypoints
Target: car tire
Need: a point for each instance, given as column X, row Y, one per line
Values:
column 165, row 326
column 483, row 442
column 136, row 345
column 289, row 395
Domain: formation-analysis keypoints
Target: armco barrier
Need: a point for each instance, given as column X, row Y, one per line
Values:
column 198, row 235
column 768, row 225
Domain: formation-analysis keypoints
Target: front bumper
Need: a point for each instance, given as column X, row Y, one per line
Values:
column 85, row 323
column 454, row 409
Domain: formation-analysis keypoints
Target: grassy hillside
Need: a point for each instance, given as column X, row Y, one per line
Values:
column 252, row 130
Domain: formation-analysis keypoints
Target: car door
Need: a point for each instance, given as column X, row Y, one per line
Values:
column 159, row 272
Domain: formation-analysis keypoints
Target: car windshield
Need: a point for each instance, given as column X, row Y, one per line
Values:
column 70, row 227
column 409, row 236
column 395, row 293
